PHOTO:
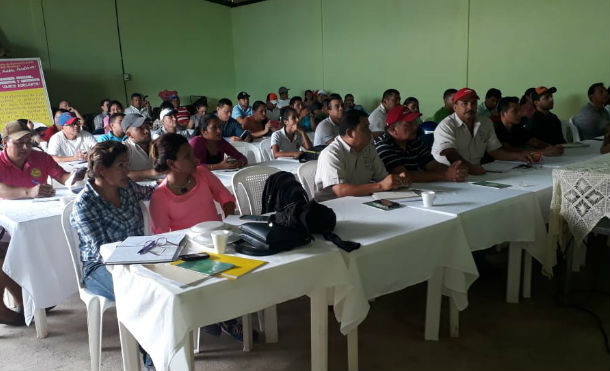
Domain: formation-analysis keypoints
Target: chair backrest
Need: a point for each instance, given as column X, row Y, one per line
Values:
column 307, row 176
column 574, row 129
column 146, row 217
column 73, row 241
column 248, row 185
column 265, row 147
column 251, row 151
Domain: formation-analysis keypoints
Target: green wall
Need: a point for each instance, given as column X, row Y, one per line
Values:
column 420, row 47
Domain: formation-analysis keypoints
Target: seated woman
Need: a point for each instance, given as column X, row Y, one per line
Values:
column 186, row 196
column 287, row 141
column 258, row 124
column 107, row 210
column 210, row 147
column 306, row 119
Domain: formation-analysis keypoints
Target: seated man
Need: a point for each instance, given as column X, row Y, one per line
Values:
column 389, row 100
column 402, row 152
column 139, row 105
column 230, row 127
column 593, row 118
column 273, row 112
column 349, row 104
column 169, row 124
column 328, row 129
column 488, row 107
column 462, row 136
column 137, row 130
column 116, row 132
column 242, row 109
column 447, row 108
column 544, row 125
column 71, row 143
column 350, row 166
column 23, row 174
column 98, row 120
column 513, row 135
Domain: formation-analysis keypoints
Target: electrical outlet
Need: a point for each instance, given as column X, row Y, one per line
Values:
column 126, row 77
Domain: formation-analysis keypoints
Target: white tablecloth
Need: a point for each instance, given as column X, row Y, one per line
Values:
column 572, row 155
column 38, row 258
column 400, row 248
column 161, row 315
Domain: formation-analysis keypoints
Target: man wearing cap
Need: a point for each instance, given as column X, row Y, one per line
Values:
column 401, row 151
column 544, row 125
column 71, row 143
column 592, row 119
column 23, row 174
column 116, row 132
column 350, row 166
column 273, row 112
column 284, row 100
column 169, row 124
column 462, row 136
column 447, row 107
column 328, row 129
column 242, row 109
column 229, row 126
column 512, row 133
column 137, row 129
column 389, row 100
column 139, row 105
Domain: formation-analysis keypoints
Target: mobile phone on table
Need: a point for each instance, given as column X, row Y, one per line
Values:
column 200, row 256
column 255, row 218
column 384, row 204
column 244, row 135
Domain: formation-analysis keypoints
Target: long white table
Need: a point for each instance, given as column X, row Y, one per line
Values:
column 38, row 258
column 160, row 315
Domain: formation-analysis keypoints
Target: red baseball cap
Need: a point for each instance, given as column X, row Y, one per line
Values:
column 399, row 114
column 465, row 93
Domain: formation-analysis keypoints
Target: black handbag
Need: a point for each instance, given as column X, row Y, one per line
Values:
column 261, row 239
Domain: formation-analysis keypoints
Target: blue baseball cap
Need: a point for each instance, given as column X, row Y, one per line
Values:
column 66, row 118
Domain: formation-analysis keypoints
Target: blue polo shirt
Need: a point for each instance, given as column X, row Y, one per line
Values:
column 240, row 112
column 110, row 136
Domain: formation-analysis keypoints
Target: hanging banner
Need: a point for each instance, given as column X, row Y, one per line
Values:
column 23, row 92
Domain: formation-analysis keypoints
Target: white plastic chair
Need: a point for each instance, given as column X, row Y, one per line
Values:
column 251, row 151
column 265, row 147
column 570, row 131
column 248, row 185
column 96, row 304
column 307, row 176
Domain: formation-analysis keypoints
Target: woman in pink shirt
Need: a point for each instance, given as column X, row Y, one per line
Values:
column 210, row 147
column 186, row 196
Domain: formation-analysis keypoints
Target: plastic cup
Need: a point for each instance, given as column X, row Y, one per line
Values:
column 219, row 238
column 428, row 198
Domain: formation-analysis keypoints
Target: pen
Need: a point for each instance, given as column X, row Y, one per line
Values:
column 146, row 247
column 35, row 182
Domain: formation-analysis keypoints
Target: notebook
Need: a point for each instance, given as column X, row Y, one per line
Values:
column 127, row 251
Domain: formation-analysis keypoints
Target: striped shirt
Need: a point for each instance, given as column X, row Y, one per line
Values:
column 414, row 157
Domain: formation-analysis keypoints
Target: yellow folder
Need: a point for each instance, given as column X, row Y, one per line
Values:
column 241, row 265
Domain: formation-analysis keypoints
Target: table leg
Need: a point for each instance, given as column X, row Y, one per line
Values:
column 319, row 330
column 352, row 350
column 454, row 320
column 527, row 275
column 129, row 349
column 246, row 325
column 514, row 273
column 433, row 305
column 184, row 359
column 40, row 322
column 270, row 324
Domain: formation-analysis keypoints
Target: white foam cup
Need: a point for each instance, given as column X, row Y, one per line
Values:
column 428, row 198
column 219, row 238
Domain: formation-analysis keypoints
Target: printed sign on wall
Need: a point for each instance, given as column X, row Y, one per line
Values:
column 23, row 92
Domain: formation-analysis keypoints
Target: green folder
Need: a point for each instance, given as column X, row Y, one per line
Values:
column 205, row 266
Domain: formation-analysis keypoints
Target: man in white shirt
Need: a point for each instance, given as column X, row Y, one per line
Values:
column 328, row 129
column 137, row 129
column 377, row 118
column 463, row 136
column 284, row 99
column 350, row 166
column 70, row 144
column 139, row 105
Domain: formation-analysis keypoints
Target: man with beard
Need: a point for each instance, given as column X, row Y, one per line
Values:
column 544, row 125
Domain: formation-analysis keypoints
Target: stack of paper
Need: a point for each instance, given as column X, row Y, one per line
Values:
column 127, row 252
